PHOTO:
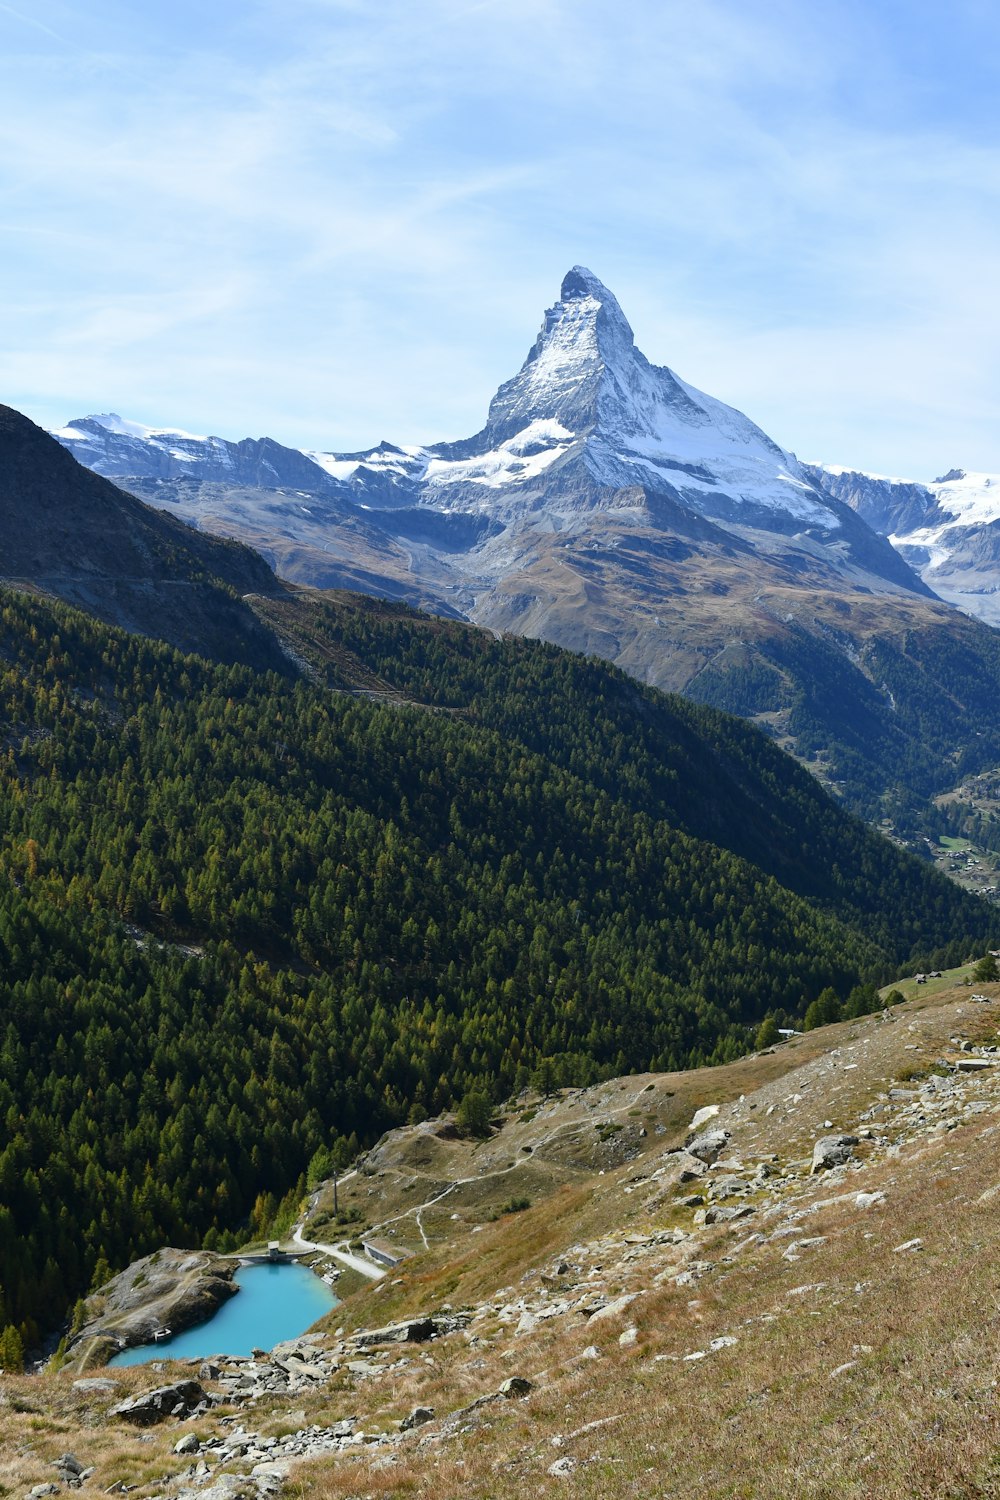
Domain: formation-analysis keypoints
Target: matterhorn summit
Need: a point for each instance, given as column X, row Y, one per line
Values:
column 600, row 486
column 587, row 403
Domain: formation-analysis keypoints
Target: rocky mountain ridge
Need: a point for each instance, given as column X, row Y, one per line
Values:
column 948, row 530
column 585, row 420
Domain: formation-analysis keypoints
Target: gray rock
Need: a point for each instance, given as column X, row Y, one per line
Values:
column 179, row 1399
column 96, row 1385
column 728, row 1186
column 833, row 1151
column 42, row 1489
column 187, row 1444
column 728, row 1215
column 269, row 1476
column 414, row 1331
column 225, row 1487
column 708, row 1146
column 612, row 1309
column 516, row 1387
column 70, row 1464
column 418, row 1416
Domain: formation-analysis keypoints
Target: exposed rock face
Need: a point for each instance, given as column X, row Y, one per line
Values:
column 833, row 1151
column 948, row 530
column 169, row 1289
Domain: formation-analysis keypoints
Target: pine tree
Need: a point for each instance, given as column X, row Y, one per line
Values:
column 11, row 1351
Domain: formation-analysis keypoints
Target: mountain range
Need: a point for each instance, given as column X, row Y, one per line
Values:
column 948, row 530
column 587, row 441
column 609, row 506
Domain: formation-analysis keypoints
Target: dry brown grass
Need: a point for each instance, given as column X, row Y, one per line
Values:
column 915, row 1415
column 913, row 1412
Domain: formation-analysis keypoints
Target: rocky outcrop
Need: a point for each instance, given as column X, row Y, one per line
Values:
column 413, row 1331
column 181, row 1399
column 169, row 1289
column 833, row 1151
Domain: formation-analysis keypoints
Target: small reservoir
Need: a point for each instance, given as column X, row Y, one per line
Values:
column 273, row 1303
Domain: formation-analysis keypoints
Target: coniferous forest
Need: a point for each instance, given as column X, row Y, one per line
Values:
column 247, row 917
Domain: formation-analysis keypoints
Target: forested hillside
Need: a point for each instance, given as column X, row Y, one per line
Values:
column 242, row 917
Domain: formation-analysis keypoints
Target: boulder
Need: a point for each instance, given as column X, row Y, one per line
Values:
column 833, row 1151
column 418, row 1416
column 728, row 1215
column 708, row 1146
column 70, row 1470
column 728, row 1186
column 187, row 1444
column 613, row 1309
column 414, row 1331
column 179, row 1399
column 516, row 1387
column 97, row 1386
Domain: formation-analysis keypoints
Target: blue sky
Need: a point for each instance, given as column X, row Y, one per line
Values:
column 333, row 221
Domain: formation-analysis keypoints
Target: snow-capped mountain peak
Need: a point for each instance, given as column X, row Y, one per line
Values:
column 112, row 422
column 587, row 395
column 948, row 530
column 121, row 449
column 587, row 428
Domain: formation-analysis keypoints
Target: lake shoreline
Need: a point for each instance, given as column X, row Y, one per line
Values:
column 275, row 1301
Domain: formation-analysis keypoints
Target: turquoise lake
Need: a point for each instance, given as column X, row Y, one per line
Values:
column 273, row 1303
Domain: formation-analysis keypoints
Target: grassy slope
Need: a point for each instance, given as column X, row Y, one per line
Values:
column 857, row 1369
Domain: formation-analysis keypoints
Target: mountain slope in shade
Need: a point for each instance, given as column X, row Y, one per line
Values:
column 948, row 531
column 72, row 533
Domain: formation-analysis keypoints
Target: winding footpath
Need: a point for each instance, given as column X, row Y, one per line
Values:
column 339, row 1252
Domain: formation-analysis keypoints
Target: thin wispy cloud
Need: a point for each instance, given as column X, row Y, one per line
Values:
column 335, row 221
column 33, row 23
